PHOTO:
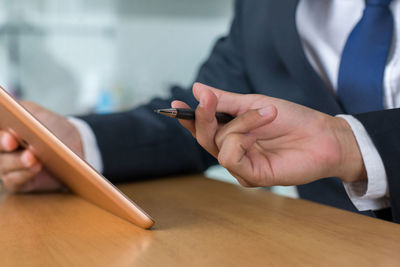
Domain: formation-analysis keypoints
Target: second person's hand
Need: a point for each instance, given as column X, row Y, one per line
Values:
column 20, row 170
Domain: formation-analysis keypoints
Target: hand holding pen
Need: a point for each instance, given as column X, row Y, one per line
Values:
column 260, row 148
column 205, row 122
column 207, row 127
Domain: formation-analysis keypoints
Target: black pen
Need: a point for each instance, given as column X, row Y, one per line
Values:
column 188, row 114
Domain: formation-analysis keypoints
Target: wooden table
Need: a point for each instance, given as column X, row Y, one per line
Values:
column 199, row 222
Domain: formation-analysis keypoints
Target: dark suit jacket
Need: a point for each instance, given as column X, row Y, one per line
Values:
column 262, row 54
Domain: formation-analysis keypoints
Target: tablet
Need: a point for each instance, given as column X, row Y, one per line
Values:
column 65, row 165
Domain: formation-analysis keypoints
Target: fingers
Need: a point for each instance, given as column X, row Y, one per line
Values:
column 17, row 168
column 13, row 161
column 245, row 123
column 235, row 143
column 7, row 142
column 205, row 127
column 15, row 180
column 206, row 124
column 232, row 154
column 244, row 161
column 188, row 124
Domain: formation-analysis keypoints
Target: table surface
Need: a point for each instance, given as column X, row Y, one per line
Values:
column 199, row 222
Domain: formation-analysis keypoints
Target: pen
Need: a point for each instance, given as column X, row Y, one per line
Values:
column 188, row 114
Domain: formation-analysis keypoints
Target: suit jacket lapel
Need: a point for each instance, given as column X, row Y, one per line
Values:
column 282, row 13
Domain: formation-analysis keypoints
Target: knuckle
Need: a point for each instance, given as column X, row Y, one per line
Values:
column 219, row 138
column 233, row 141
column 224, row 160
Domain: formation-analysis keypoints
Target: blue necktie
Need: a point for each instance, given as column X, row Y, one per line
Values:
column 364, row 58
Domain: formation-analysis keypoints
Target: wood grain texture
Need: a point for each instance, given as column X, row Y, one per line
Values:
column 199, row 222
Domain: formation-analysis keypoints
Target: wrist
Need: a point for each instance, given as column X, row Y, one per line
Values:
column 350, row 165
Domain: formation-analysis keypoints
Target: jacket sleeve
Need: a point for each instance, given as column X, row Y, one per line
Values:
column 139, row 143
column 384, row 130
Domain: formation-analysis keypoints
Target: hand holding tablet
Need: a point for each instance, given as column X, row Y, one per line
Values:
column 20, row 170
column 16, row 123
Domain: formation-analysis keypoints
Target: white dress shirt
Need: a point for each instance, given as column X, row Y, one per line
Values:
column 324, row 26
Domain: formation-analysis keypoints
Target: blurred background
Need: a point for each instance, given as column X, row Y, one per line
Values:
column 81, row 56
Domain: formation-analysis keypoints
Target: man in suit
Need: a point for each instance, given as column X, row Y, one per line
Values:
column 285, row 49
column 276, row 142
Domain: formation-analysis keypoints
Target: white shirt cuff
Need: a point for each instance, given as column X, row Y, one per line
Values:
column 90, row 148
column 371, row 194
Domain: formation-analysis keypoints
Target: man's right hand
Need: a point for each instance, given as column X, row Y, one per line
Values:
column 20, row 170
column 272, row 141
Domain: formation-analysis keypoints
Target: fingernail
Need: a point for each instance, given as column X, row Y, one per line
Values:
column 265, row 111
column 27, row 159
